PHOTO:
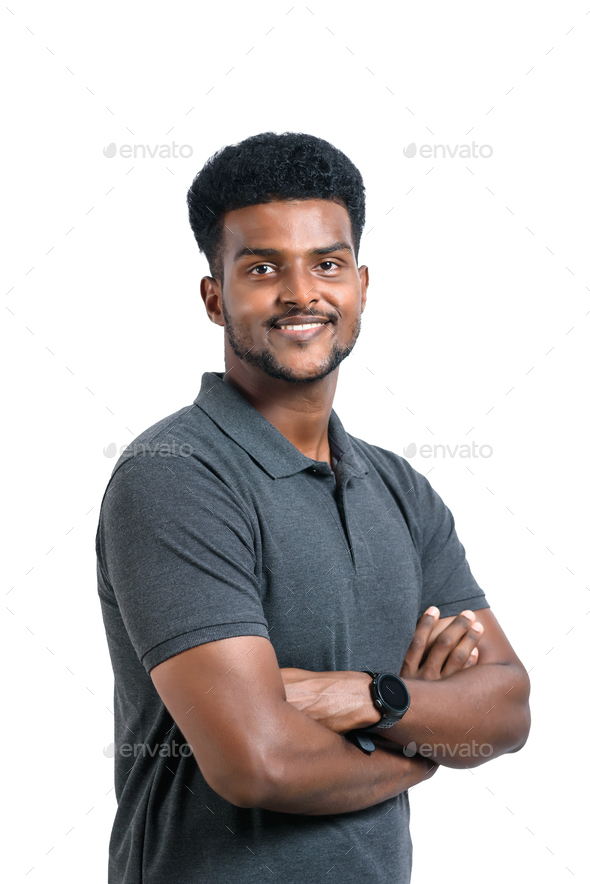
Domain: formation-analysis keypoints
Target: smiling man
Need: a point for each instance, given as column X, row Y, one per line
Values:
column 296, row 636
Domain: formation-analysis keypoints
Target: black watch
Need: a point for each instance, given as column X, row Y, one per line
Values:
column 390, row 696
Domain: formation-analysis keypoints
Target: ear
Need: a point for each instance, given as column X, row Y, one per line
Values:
column 364, row 277
column 212, row 297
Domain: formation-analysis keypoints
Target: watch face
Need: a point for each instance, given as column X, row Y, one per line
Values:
column 394, row 693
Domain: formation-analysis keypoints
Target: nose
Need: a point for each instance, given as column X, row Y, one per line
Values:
column 298, row 293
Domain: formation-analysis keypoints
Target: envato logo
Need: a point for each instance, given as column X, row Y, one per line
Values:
column 462, row 750
column 161, row 449
column 431, row 151
column 473, row 450
column 143, row 151
column 164, row 750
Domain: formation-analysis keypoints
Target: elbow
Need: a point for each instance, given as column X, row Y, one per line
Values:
column 252, row 795
column 246, row 792
column 240, row 788
column 522, row 729
column 521, row 713
column 250, row 783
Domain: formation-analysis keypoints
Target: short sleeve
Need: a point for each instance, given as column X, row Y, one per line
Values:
column 447, row 581
column 178, row 549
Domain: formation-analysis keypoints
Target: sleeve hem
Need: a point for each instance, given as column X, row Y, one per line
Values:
column 195, row 637
column 472, row 602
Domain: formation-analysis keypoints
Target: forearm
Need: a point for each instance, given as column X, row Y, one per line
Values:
column 316, row 771
column 450, row 719
column 459, row 706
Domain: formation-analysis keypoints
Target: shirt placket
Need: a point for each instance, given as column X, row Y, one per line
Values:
column 354, row 548
column 335, row 488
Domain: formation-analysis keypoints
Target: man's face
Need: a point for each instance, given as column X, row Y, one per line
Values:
column 289, row 263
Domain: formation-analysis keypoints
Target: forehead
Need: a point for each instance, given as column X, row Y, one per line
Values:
column 288, row 225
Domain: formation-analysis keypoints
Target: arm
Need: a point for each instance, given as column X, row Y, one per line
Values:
column 452, row 707
column 256, row 750
column 454, row 703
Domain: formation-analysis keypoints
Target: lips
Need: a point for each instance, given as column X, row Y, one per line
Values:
column 300, row 320
column 296, row 334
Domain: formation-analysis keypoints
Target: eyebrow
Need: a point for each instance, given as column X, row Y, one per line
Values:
column 271, row 253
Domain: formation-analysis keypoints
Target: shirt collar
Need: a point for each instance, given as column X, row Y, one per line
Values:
column 264, row 443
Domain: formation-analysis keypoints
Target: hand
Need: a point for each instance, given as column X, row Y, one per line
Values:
column 454, row 648
column 340, row 701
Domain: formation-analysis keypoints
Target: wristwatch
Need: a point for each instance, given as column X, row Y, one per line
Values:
column 390, row 696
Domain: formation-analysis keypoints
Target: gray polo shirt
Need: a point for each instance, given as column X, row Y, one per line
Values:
column 214, row 525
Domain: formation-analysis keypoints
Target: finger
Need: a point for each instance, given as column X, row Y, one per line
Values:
column 445, row 642
column 472, row 659
column 462, row 650
column 425, row 625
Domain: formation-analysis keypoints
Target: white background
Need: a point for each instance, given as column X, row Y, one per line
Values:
column 476, row 330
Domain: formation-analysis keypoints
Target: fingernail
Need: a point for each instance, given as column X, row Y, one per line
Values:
column 469, row 614
column 432, row 611
column 478, row 627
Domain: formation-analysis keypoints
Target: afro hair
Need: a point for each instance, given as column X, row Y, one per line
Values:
column 269, row 167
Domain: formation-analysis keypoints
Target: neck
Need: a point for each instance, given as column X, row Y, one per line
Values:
column 300, row 412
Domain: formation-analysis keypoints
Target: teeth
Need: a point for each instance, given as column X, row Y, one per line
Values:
column 303, row 327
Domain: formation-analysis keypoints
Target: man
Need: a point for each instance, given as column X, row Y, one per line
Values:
column 257, row 566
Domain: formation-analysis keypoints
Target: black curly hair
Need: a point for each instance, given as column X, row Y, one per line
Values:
column 269, row 167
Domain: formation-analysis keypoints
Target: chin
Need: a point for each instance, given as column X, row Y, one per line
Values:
column 303, row 376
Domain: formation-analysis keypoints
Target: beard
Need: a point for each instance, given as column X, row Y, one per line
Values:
column 267, row 362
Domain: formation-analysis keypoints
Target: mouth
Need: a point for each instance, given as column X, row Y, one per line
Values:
column 300, row 332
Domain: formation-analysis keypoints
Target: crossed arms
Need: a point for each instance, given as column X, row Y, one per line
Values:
column 273, row 738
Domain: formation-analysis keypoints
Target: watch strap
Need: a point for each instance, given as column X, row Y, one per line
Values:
column 382, row 725
column 360, row 739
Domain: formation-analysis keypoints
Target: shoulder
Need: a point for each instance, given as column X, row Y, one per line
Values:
column 421, row 506
column 392, row 468
column 166, row 437
column 182, row 455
